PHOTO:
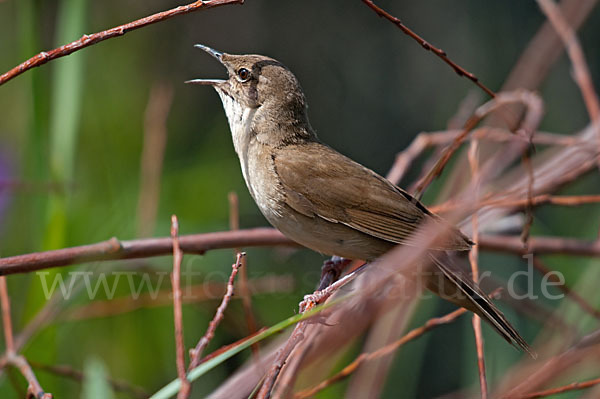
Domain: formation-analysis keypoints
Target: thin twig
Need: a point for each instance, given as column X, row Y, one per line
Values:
column 433, row 139
column 11, row 357
column 186, row 387
column 473, row 258
column 529, row 124
column 427, row 46
column 196, row 353
column 543, row 199
column 309, row 302
column 34, row 389
column 555, row 391
column 384, row 351
column 280, row 359
column 88, row 40
column 574, row 296
column 581, row 71
column 539, row 245
column 6, row 317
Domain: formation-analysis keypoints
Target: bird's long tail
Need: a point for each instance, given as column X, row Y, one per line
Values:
column 475, row 300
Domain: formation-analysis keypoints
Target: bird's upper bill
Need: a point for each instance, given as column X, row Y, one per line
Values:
column 209, row 82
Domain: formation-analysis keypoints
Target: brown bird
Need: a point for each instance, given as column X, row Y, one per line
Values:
column 319, row 197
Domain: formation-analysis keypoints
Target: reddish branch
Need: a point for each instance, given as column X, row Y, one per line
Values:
column 428, row 46
column 386, row 350
column 528, row 126
column 114, row 249
column 88, row 40
column 280, row 358
column 196, row 353
column 200, row 243
column 6, row 317
column 581, row 71
column 564, row 200
column 555, row 391
column 184, row 391
column 297, row 336
column 435, row 139
column 574, row 296
column 540, row 245
column 11, row 358
column 473, row 255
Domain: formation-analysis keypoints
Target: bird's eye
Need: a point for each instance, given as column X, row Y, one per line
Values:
column 243, row 74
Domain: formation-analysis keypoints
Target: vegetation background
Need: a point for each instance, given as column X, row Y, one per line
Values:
column 72, row 133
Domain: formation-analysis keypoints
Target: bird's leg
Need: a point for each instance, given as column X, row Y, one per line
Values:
column 332, row 270
column 320, row 296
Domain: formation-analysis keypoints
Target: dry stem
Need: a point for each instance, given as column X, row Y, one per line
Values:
column 386, row 350
column 196, row 353
column 184, row 391
column 473, row 255
column 427, row 46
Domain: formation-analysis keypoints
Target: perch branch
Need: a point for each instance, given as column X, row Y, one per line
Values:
column 142, row 248
column 114, row 249
column 309, row 302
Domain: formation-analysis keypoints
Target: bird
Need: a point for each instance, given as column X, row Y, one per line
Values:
column 322, row 199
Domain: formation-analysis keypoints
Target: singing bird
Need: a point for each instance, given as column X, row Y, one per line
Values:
column 322, row 199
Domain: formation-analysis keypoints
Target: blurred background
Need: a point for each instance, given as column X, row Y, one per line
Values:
column 72, row 135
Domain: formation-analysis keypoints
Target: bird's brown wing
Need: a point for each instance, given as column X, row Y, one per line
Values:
column 323, row 183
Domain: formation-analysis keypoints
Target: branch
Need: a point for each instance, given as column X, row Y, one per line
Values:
column 540, row 245
column 196, row 353
column 88, row 40
column 184, row 391
column 114, row 249
column 143, row 248
column 427, row 46
column 384, row 351
column 528, row 126
column 555, row 391
column 34, row 390
column 473, row 155
column 309, row 302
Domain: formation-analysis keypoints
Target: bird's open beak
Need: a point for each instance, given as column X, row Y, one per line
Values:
column 208, row 82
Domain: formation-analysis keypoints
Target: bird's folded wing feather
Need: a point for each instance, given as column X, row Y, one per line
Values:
column 323, row 183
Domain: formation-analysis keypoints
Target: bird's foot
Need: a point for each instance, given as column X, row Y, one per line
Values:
column 332, row 270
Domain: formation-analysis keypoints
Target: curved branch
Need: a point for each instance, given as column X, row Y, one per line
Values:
column 88, row 40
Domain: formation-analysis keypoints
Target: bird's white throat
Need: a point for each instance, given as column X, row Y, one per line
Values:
column 240, row 123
